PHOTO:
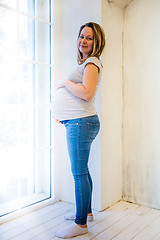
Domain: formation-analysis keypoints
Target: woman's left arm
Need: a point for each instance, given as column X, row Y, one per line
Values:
column 86, row 90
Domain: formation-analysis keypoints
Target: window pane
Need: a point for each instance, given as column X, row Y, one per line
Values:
column 17, row 158
column 27, row 6
column 42, row 37
column 8, row 55
column 42, row 119
column 26, row 37
column 43, row 9
column 11, row 3
column 42, row 178
column 42, row 84
column 26, row 83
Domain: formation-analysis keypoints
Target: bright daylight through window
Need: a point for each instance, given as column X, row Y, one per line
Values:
column 25, row 120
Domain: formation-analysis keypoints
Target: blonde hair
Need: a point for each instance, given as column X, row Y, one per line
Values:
column 98, row 41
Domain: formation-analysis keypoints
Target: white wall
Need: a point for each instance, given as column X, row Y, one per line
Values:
column 105, row 159
column 141, row 92
column 111, row 105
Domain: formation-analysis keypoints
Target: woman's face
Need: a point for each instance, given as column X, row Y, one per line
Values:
column 85, row 41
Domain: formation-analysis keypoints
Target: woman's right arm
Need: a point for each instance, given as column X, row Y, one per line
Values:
column 86, row 90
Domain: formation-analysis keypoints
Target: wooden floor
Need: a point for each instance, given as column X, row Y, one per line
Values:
column 122, row 221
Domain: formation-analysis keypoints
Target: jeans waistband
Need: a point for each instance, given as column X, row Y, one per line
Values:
column 76, row 119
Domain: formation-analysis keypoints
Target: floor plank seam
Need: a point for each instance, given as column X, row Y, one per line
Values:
column 110, row 226
column 123, row 220
column 146, row 227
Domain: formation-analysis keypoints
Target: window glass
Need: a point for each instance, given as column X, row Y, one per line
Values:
column 27, row 6
column 25, row 124
column 43, row 10
column 10, row 3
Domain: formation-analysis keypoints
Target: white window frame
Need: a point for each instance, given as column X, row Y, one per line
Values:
column 39, row 63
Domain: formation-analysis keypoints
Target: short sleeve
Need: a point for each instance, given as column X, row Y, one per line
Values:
column 93, row 60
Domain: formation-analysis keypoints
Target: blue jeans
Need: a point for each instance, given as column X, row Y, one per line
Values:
column 80, row 134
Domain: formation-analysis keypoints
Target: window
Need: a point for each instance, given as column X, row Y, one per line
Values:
column 25, row 119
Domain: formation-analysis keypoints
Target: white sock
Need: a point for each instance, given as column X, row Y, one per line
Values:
column 73, row 216
column 71, row 231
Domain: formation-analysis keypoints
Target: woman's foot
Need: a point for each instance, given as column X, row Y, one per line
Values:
column 90, row 214
column 72, row 231
column 73, row 216
column 82, row 226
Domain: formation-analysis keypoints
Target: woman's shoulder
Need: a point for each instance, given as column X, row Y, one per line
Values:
column 93, row 59
column 96, row 61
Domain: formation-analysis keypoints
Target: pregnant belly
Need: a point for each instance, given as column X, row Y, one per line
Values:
column 63, row 103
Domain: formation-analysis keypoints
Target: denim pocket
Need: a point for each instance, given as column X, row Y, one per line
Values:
column 93, row 129
column 72, row 127
column 72, row 122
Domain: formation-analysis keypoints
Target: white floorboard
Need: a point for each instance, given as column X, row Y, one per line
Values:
column 122, row 221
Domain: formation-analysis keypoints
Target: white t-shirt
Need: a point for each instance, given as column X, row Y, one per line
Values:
column 65, row 105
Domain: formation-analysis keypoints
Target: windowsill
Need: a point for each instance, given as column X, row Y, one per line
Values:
column 40, row 200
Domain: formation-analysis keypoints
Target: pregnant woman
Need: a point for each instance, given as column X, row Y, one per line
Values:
column 73, row 106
